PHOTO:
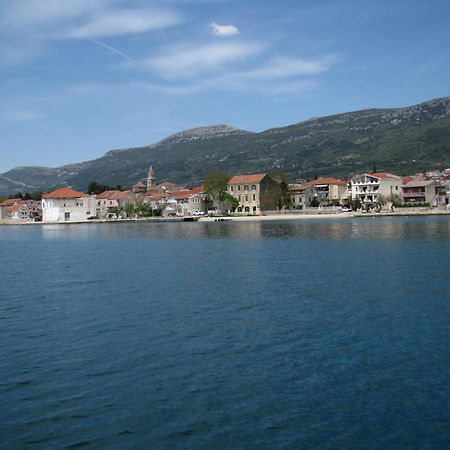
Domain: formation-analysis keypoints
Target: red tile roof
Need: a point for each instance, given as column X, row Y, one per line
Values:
column 186, row 193
column 10, row 201
column 327, row 181
column 113, row 195
column 385, row 175
column 242, row 179
column 67, row 192
column 17, row 207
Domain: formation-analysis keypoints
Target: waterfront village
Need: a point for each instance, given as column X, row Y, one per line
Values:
column 242, row 195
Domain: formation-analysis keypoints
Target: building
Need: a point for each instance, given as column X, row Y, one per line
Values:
column 188, row 201
column 443, row 193
column 19, row 211
column 68, row 205
column 255, row 193
column 419, row 191
column 5, row 205
column 111, row 202
column 150, row 188
column 302, row 194
column 329, row 188
column 370, row 189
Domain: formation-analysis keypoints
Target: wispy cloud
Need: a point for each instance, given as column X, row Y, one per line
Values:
column 285, row 67
column 116, row 23
column 183, row 62
column 223, row 30
column 28, row 27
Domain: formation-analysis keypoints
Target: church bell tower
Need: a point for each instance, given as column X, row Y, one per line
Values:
column 150, row 178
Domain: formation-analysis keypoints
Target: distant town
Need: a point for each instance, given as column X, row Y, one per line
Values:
column 223, row 195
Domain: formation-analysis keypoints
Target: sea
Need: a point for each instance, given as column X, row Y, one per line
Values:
column 307, row 334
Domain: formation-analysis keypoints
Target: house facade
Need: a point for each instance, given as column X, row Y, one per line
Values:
column 255, row 193
column 68, row 205
column 302, row 194
column 370, row 188
column 329, row 188
column 5, row 205
column 443, row 193
column 419, row 191
column 188, row 201
column 110, row 202
column 19, row 211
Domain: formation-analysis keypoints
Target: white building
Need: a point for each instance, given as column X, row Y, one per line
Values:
column 370, row 188
column 68, row 205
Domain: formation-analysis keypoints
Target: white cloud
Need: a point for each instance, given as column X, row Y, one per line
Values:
column 115, row 23
column 285, row 67
column 27, row 27
column 223, row 30
column 182, row 62
column 26, row 13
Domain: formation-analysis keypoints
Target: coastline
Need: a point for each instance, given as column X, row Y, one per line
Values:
column 261, row 218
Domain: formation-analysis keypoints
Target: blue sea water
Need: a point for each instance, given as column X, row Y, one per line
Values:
column 315, row 334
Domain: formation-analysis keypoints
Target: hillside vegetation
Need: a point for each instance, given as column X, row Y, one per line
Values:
column 403, row 141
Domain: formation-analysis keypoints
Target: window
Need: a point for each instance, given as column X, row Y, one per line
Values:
column 239, row 187
column 231, row 188
column 246, row 198
column 239, row 197
column 253, row 187
column 246, row 187
column 254, row 197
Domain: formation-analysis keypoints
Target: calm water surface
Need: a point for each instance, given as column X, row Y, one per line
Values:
column 285, row 335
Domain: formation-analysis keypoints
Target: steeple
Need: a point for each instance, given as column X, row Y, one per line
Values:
column 150, row 178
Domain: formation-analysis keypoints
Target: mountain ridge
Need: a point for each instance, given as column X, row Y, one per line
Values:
column 409, row 139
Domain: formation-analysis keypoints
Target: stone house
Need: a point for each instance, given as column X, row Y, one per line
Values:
column 255, row 193
column 302, row 194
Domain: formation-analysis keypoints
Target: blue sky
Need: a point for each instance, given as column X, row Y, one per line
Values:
column 81, row 77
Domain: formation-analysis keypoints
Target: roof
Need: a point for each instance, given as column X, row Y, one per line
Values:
column 242, row 179
column 17, row 207
column 299, row 187
column 67, row 192
column 384, row 175
column 328, row 181
column 418, row 183
column 170, row 187
column 10, row 201
column 113, row 195
column 156, row 197
column 186, row 193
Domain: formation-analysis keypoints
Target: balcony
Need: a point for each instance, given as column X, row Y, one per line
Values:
column 411, row 194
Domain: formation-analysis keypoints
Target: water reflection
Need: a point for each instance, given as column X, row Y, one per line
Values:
column 383, row 228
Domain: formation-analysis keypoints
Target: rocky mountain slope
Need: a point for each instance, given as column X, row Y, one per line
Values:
column 402, row 140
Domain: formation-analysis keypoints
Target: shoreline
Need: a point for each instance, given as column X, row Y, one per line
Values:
column 260, row 218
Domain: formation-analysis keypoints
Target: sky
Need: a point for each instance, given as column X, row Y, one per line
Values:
column 82, row 77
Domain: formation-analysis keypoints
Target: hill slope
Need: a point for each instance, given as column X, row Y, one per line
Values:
column 403, row 140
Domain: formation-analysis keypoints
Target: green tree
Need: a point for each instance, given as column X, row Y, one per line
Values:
column 230, row 201
column 396, row 200
column 216, row 184
column 381, row 201
column 96, row 188
column 314, row 202
column 281, row 189
column 129, row 209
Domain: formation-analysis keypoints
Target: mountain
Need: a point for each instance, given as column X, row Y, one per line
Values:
column 402, row 140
